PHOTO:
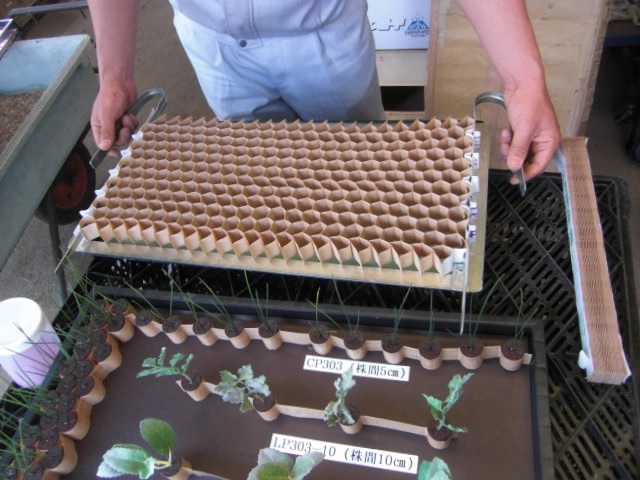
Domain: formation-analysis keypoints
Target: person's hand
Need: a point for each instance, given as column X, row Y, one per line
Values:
column 536, row 133
column 109, row 107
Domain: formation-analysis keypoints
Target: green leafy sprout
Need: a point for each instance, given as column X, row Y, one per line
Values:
column 275, row 465
column 440, row 408
column 520, row 325
column 337, row 410
column 223, row 315
column 123, row 458
column 156, row 366
column 436, row 469
column 398, row 313
column 262, row 309
column 316, row 326
column 431, row 331
column 240, row 388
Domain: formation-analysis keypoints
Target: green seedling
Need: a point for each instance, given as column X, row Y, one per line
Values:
column 431, row 330
column 239, row 389
column 275, row 465
column 352, row 330
column 262, row 309
column 436, row 469
column 156, row 366
column 337, row 411
column 12, row 448
column 520, row 326
column 145, row 303
column 440, row 408
column 123, row 459
column 474, row 323
column 398, row 313
column 223, row 315
column 316, row 326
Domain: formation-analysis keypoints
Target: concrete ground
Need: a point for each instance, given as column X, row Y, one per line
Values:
column 162, row 63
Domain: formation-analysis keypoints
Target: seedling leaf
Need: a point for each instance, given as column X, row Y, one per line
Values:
column 434, row 402
column 271, row 455
column 105, row 471
column 437, row 469
column 132, row 459
column 158, row 434
column 273, row 471
column 245, row 372
column 149, row 362
column 305, row 463
column 176, row 359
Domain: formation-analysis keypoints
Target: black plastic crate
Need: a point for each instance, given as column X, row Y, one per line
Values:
column 595, row 428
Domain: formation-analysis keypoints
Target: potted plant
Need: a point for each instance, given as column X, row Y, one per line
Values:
column 354, row 341
column 118, row 326
column 472, row 348
column 268, row 330
column 146, row 319
column 60, row 458
column 233, row 329
column 275, row 465
column 90, row 389
column 430, row 349
column 123, row 307
column 178, row 365
column 392, row 343
column 439, row 431
column 339, row 411
column 106, row 356
column 202, row 324
column 148, row 323
column 202, row 329
column 320, row 335
column 123, row 459
column 171, row 324
column 512, row 351
column 248, row 391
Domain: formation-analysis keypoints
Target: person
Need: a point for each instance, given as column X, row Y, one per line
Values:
column 313, row 59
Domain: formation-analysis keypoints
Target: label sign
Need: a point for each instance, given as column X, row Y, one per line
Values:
column 384, row 371
column 336, row 452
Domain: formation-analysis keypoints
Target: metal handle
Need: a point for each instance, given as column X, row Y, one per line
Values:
column 497, row 98
column 135, row 108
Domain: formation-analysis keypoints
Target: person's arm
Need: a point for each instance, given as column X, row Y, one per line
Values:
column 115, row 25
column 506, row 33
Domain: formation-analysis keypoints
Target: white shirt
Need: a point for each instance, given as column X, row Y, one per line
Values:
column 251, row 19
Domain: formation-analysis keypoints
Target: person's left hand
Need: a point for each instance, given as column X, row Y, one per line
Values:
column 536, row 133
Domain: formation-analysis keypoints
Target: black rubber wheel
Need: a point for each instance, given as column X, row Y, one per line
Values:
column 73, row 188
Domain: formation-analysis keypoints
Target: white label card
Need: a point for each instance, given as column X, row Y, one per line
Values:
column 384, row 371
column 336, row 452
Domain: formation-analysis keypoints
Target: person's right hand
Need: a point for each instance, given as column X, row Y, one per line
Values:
column 109, row 107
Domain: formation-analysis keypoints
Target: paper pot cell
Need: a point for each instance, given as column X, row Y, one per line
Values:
column 438, row 212
column 406, row 222
column 371, row 232
column 441, row 187
column 454, row 240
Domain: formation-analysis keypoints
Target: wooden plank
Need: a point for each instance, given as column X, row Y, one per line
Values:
column 402, row 68
column 570, row 35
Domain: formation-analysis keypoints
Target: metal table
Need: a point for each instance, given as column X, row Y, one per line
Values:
column 31, row 160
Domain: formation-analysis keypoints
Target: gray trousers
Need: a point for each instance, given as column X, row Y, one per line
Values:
column 325, row 74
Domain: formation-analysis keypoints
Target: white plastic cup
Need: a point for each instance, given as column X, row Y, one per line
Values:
column 28, row 342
